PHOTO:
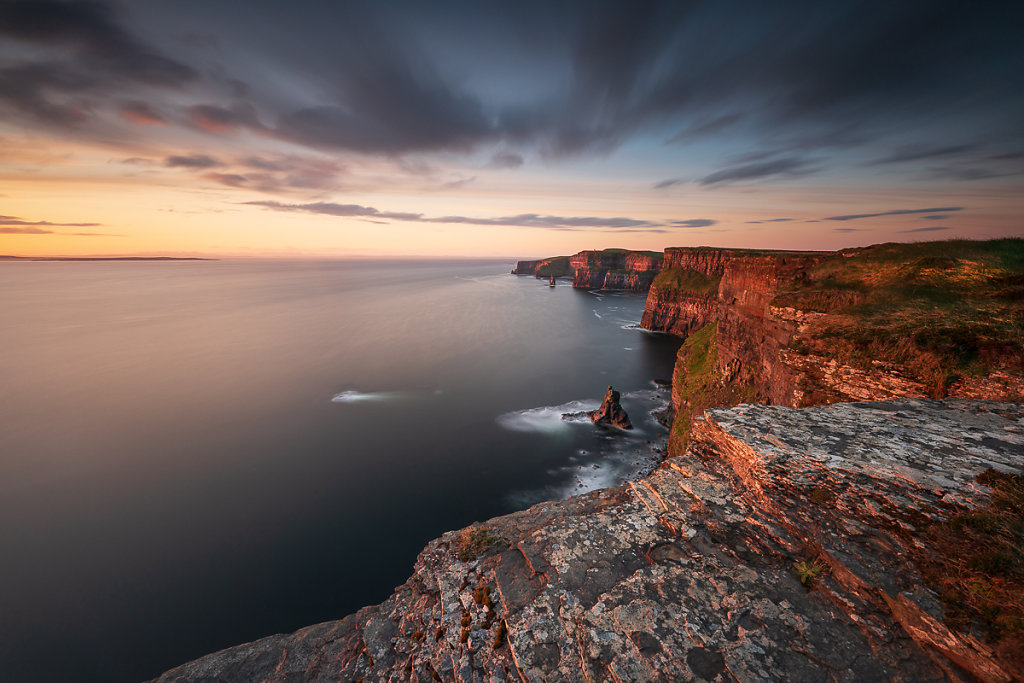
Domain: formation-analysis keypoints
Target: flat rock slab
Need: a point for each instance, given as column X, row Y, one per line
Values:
column 688, row 574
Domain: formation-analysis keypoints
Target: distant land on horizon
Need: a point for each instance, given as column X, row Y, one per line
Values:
column 6, row 257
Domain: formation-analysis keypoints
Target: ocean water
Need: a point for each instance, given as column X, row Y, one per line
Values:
column 199, row 454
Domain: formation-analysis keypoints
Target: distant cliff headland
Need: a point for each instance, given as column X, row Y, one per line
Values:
column 606, row 269
column 842, row 496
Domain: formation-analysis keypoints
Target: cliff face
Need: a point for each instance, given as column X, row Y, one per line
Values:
column 735, row 561
column 556, row 265
column 607, row 269
column 614, row 269
column 800, row 329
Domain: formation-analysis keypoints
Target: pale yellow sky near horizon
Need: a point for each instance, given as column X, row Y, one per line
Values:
column 161, row 213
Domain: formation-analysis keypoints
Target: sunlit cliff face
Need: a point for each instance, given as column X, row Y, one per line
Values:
column 503, row 129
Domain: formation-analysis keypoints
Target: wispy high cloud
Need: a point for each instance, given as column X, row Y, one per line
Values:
column 16, row 221
column 786, row 166
column 694, row 223
column 528, row 220
column 13, row 225
column 24, row 231
column 917, row 153
column 772, row 220
column 192, row 161
column 930, row 228
column 896, row 212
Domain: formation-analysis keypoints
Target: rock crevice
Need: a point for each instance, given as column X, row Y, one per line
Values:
column 779, row 546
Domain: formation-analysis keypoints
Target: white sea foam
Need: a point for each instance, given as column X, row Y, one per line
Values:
column 545, row 418
column 352, row 396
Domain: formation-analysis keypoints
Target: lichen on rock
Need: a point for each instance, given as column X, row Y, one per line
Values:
column 693, row 573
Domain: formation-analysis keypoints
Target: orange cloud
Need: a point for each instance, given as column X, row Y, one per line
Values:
column 142, row 113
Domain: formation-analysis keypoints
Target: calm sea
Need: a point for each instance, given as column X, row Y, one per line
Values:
column 198, row 454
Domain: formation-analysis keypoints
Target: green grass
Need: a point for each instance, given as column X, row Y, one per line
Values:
column 686, row 280
column 975, row 561
column 752, row 252
column 615, row 250
column 941, row 310
column 556, row 265
column 696, row 381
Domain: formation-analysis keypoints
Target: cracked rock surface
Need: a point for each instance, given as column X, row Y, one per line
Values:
column 775, row 548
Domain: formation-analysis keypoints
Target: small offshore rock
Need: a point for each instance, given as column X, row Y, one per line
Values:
column 611, row 411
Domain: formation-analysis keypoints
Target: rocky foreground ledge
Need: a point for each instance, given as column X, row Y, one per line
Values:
column 785, row 545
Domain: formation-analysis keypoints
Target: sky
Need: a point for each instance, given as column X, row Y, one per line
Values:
column 512, row 129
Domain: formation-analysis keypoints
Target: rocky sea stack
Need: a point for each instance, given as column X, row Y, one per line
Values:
column 611, row 411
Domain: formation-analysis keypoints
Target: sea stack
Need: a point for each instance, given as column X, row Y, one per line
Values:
column 611, row 411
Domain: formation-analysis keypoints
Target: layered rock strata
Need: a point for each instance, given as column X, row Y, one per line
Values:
column 606, row 269
column 779, row 546
column 615, row 269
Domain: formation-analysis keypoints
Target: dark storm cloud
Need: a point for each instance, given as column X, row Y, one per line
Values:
column 530, row 220
column 896, row 212
column 192, row 161
column 636, row 66
column 393, row 79
column 786, row 166
column 93, row 56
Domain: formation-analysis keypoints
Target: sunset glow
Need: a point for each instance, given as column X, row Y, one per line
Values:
column 322, row 129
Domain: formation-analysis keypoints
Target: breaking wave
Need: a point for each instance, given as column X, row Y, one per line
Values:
column 545, row 418
column 353, row 396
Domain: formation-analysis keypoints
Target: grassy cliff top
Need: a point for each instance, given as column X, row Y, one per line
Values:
column 752, row 252
column 616, row 250
column 683, row 279
column 943, row 309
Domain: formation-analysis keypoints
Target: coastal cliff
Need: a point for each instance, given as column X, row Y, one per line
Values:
column 800, row 329
column 605, row 269
column 864, row 522
column 557, row 266
column 812, row 544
